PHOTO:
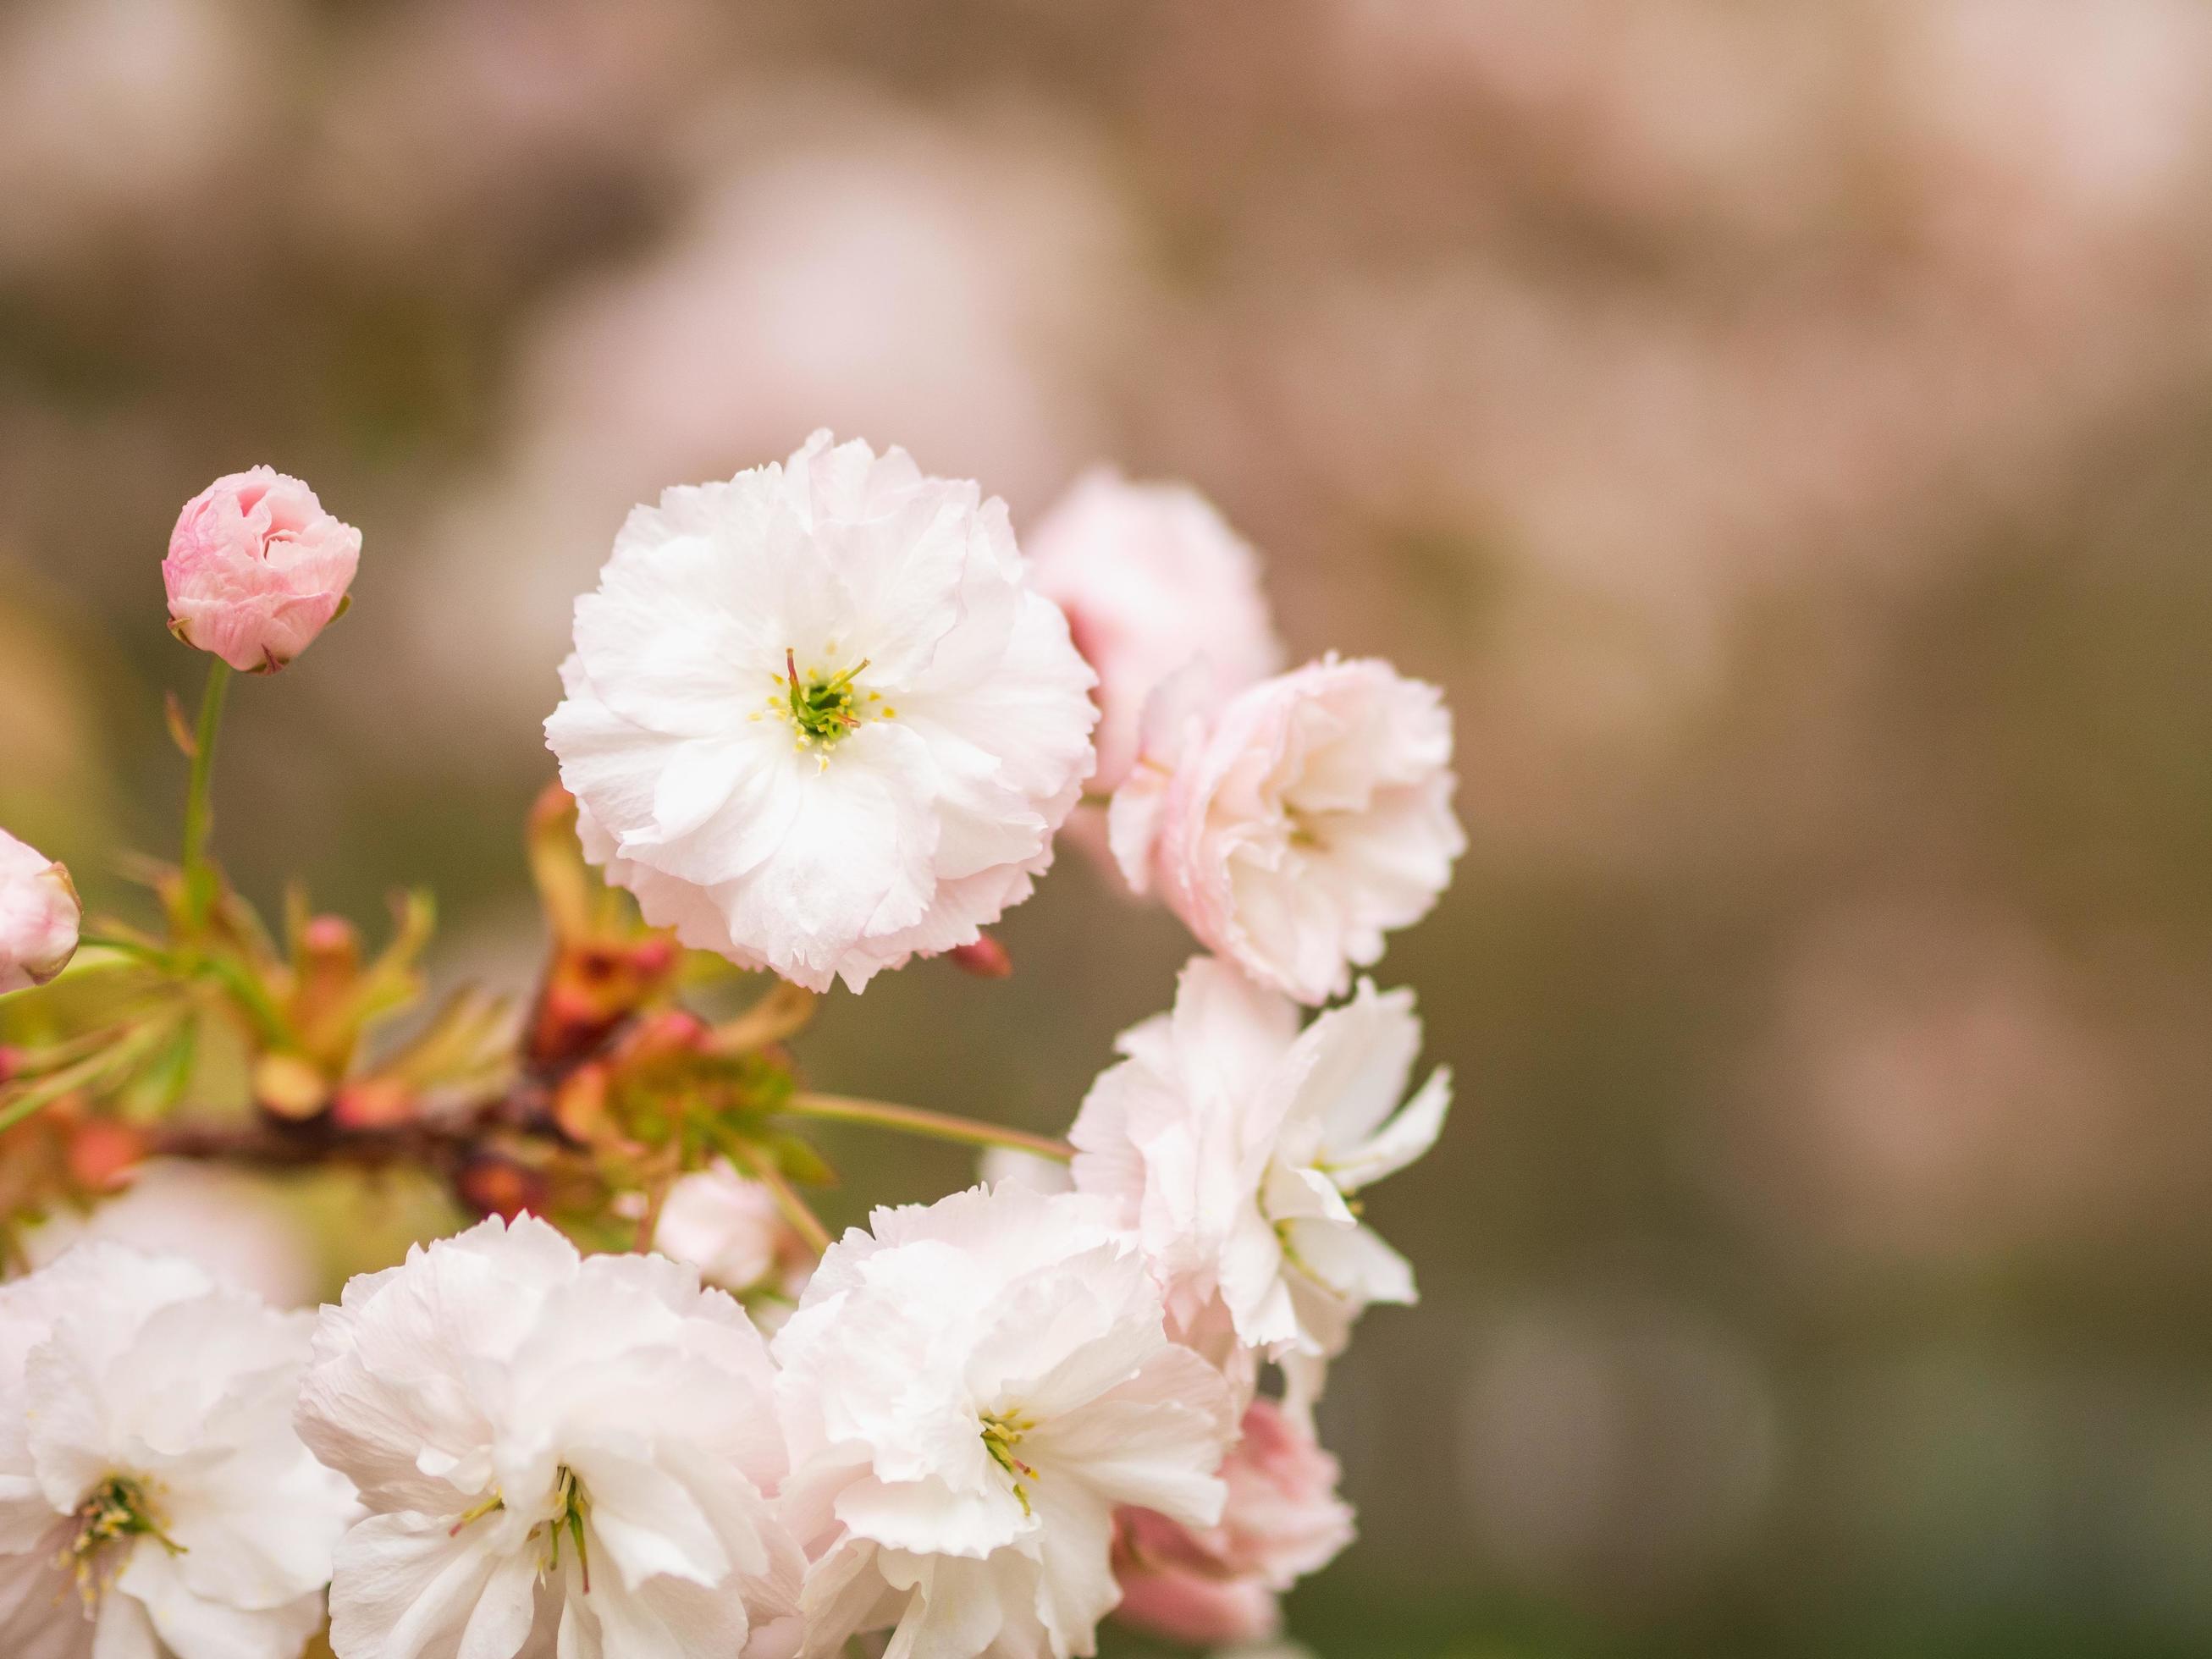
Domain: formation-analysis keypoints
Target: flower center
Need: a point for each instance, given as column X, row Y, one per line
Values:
column 116, row 1508
column 570, row 1505
column 1001, row 1434
column 822, row 707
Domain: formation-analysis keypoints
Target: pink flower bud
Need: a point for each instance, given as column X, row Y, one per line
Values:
column 986, row 959
column 38, row 916
column 255, row 569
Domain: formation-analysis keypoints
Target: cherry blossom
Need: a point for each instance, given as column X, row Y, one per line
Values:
column 1152, row 579
column 257, row 569
column 154, row 1498
column 38, row 916
column 1219, row 1583
column 1234, row 1143
column 971, row 1391
column 558, row 1453
column 817, row 720
column 1296, row 827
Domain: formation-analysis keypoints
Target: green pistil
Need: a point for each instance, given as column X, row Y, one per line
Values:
column 574, row 1505
column 116, row 1508
column 1000, row 1435
column 823, row 709
column 570, row 1507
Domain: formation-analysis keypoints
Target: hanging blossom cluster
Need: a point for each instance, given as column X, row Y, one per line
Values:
column 820, row 720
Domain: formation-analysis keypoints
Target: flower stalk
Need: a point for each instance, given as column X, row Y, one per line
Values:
column 918, row 1121
column 199, row 797
column 796, row 1210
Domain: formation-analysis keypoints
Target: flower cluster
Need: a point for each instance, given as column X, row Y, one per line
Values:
column 820, row 719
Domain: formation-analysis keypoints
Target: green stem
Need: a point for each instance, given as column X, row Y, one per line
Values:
column 796, row 1210
column 914, row 1121
column 119, row 1057
column 199, row 802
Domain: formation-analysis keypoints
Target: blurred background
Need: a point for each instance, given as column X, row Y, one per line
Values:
column 1781, row 427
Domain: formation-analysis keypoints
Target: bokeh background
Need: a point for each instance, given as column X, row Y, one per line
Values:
column 1781, row 427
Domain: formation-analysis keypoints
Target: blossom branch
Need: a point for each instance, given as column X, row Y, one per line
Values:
column 917, row 1120
column 796, row 1210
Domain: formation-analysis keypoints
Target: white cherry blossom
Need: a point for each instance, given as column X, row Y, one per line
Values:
column 971, row 1390
column 1235, row 1142
column 562, row 1455
column 154, row 1498
column 817, row 720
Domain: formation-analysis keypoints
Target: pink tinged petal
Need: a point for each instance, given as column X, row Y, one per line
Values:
column 41, row 1614
column 255, row 569
column 1231, row 1035
column 1155, row 1441
column 1363, row 1054
column 1191, row 1607
column 845, row 1593
column 1251, row 1274
column 579, row 1635
column 933, row 1517
column 1061, row 1340
column 649, row 1522
column 506, row 1612
column 1353, row 1263
column 123, row 1631
column 406, row 1586
column 197, row 1627
column 1405, row 1139
column 958, row 1609
column 667, row 1619
column 1295, row 1195
column 1152, row 578
column 1075, row 1541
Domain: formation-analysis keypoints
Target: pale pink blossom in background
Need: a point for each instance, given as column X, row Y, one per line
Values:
column 38, row 916
column 1008, row 1165
column 257, row 569
column 123, row 113
column 227, row 1223
column 1283, row 1521
column 1296, row 827
column 732, row 1229
column 1934, row 1085
column 1152, row 579
column 962, row 286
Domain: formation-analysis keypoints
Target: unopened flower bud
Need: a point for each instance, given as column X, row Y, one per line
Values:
column 491, row 1184
column 38, row 916
column 257, row 569
column 102, row 1153
column 986, row 959
column 373, row 1103
column 290, row 1086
